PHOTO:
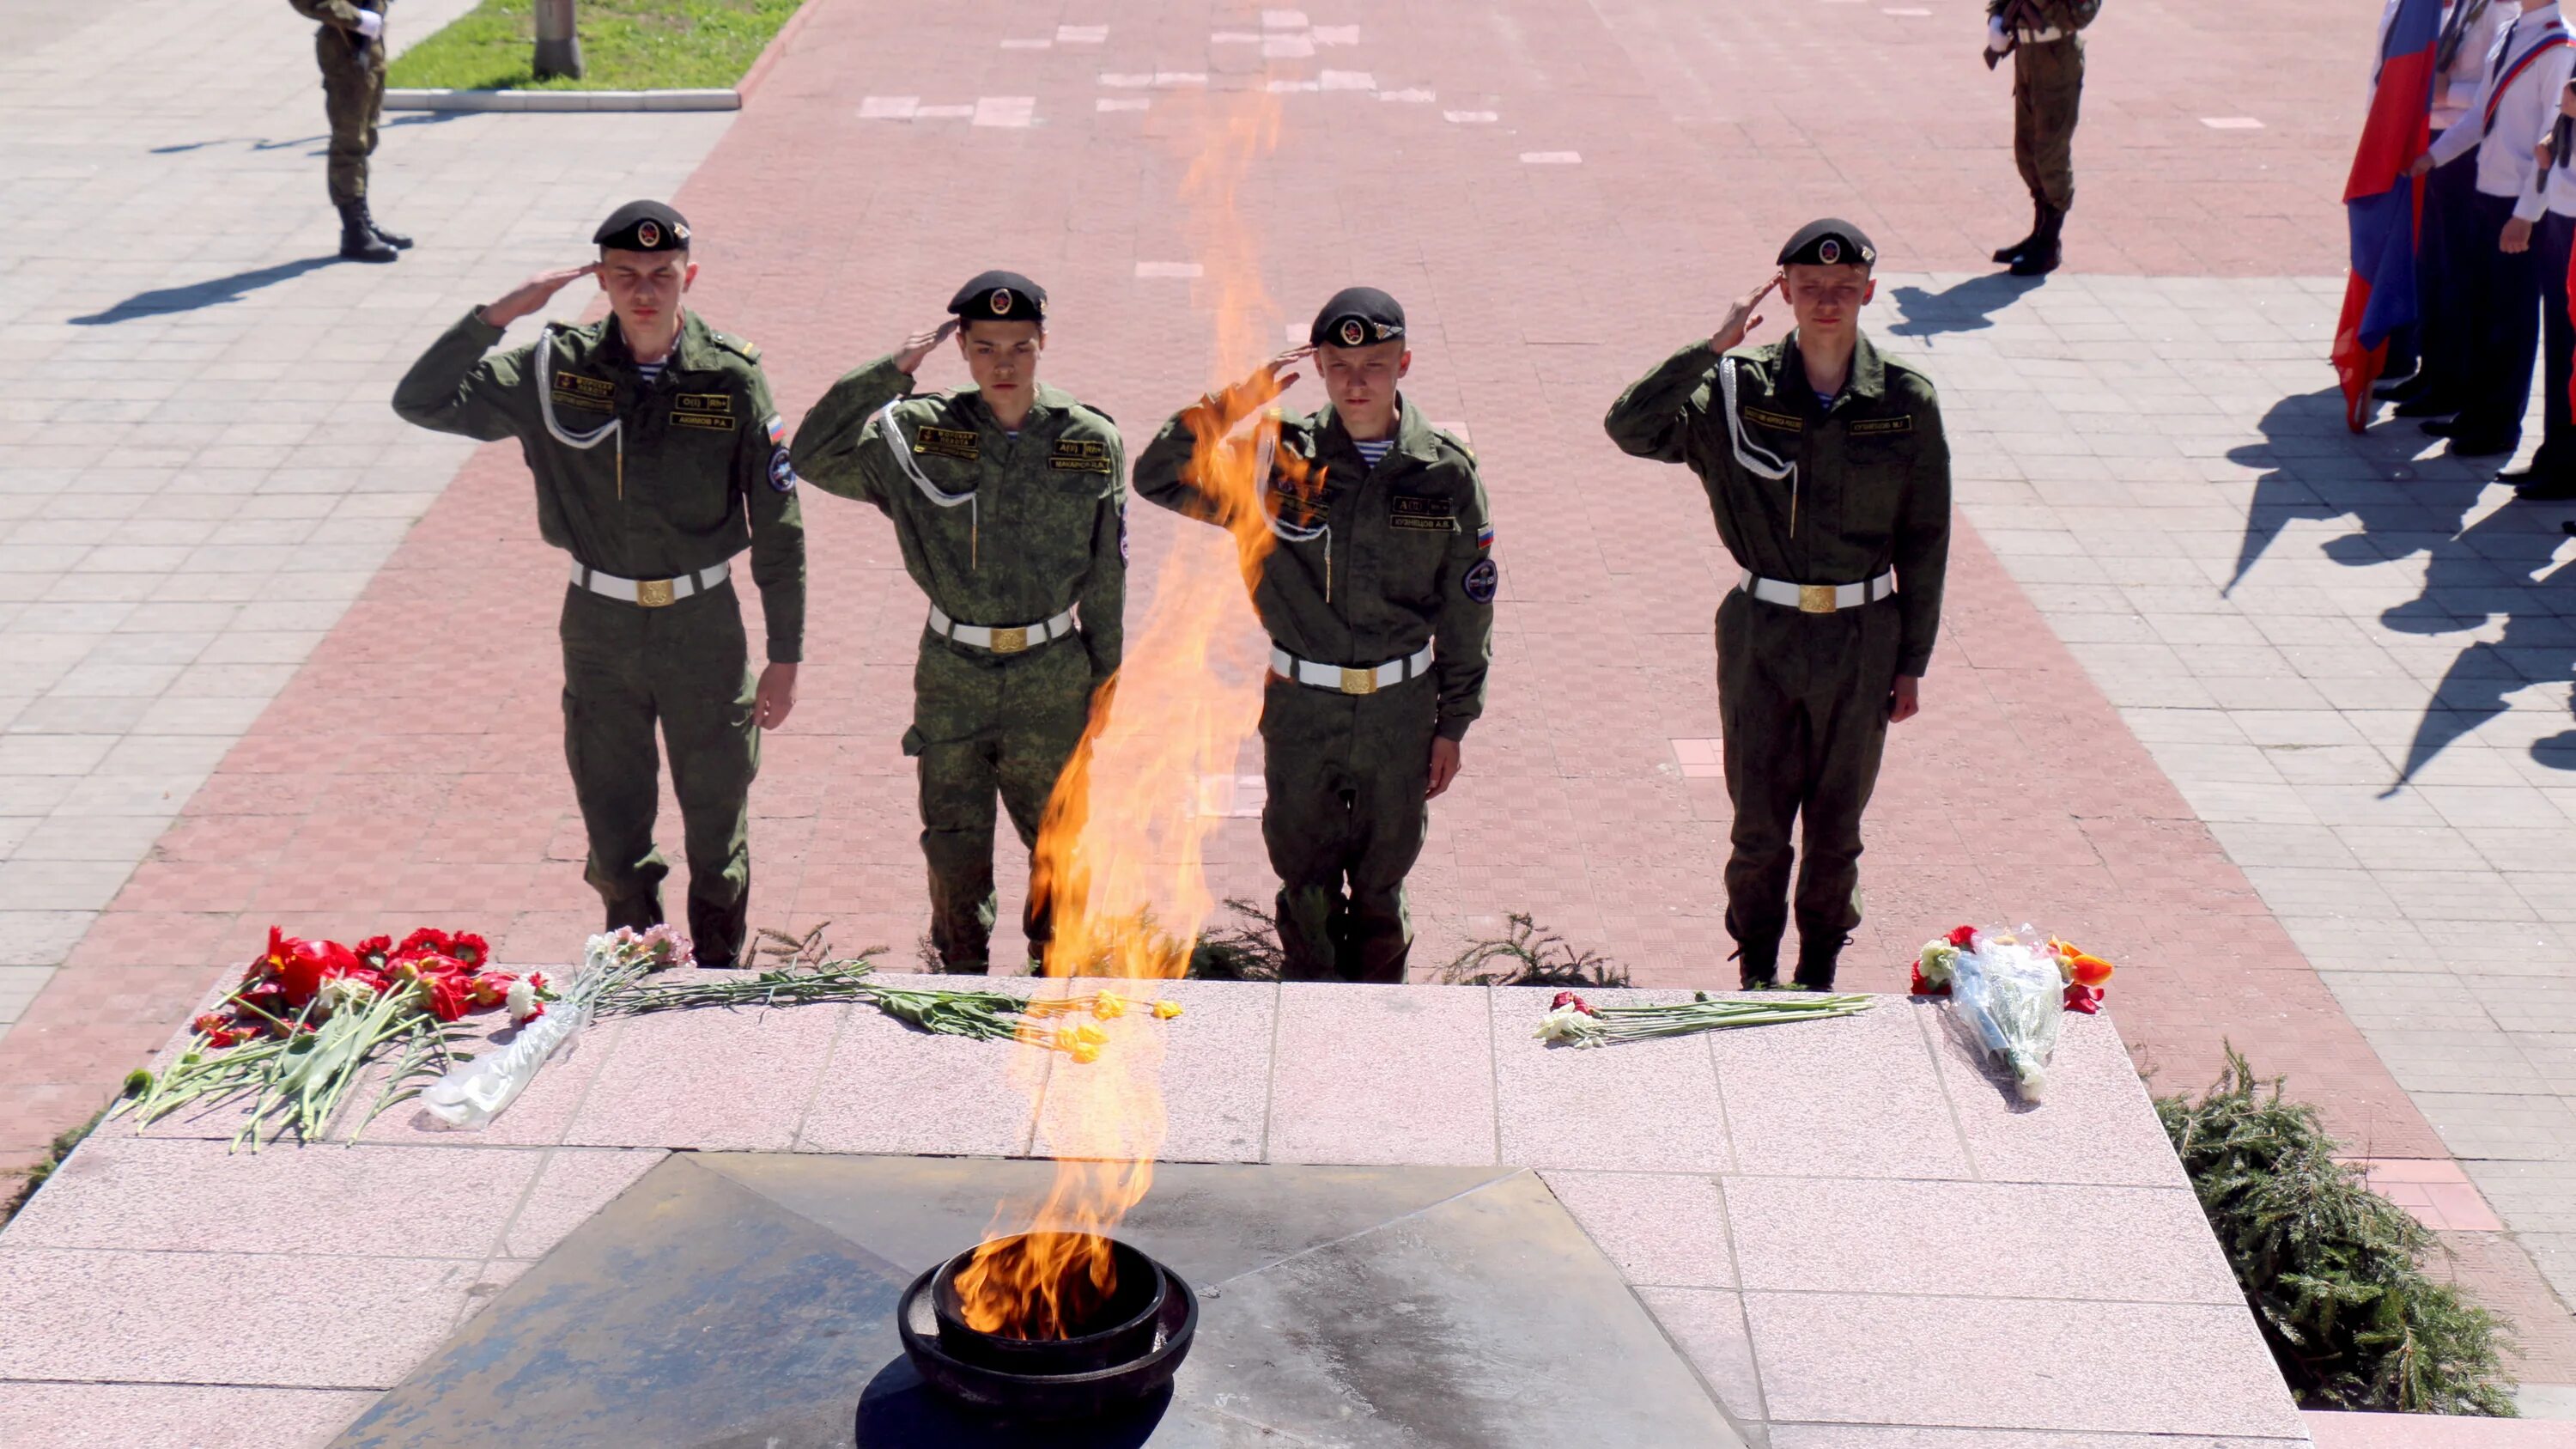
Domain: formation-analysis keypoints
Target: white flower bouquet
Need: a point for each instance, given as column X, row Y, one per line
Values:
column 2007, row 996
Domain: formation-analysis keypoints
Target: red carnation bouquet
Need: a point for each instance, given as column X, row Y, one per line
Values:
column 309, row 1016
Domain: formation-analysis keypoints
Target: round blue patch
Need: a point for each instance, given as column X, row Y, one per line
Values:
column 1479, row 583
column 782, row 472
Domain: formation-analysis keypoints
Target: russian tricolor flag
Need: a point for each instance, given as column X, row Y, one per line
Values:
column 2384, row 207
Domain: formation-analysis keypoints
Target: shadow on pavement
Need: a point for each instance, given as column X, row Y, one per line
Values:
column 415, row 118
column 1968, row 307
column 161, row 301
column 2484, row 572
column 2307, row 456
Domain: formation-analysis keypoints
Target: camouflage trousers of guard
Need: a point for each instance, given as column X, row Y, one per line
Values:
column 1344, row 821
column 988, row 725
column 2048, row 90
column 682, row 667
column 353, row 100
column 1802, row 704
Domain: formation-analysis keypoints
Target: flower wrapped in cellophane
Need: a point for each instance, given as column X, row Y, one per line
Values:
column 2009, row 996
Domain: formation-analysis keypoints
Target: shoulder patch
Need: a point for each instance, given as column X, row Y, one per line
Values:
column 1879, row 427
column 1456, row 444
column 1481, row 582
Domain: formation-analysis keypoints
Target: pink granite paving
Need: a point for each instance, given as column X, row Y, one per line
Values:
column 411, row 772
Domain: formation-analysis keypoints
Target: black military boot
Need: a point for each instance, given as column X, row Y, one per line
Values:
column 639, row 913
column 385, row 234
column 2043, row 254
column 2005, row 256
column 1759, row 965
column 1817, row 956
column 358, row 241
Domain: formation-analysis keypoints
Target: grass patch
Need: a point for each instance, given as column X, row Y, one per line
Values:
column 2332, row 1270
column 35, row 1176
column 626, row 45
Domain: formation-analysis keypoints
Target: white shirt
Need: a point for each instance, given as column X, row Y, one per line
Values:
column 2527, row 109
column 2457, row 88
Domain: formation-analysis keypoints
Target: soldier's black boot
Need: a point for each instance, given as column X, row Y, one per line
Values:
column 2005, row 256
column 358, row 241
column 385, row 234
column 1758, row 965
column 2043, row 254
column 1816, row 960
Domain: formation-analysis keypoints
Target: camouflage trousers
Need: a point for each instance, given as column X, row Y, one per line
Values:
column 988, row 725
column 353, row 100
column 2048, row 90
column 682, row 667
column 1344, row 820
column 1802, row 705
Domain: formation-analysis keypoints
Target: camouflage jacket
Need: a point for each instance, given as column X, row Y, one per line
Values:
column 644, row 480
column 1000, row 531
column 2068, row 16
column 1803, row 492
column 1370, row 564
column 338, row 14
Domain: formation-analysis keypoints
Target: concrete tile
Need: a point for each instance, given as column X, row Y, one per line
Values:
column 708, row 1079
column 1853, row 1097
column 1552, row 1097
column 318, row 1321
column 573, row 1184
column 202, row 1416
column 1969, row 1239
column 1205, row 1073
column 1371, row 1074
column 172, row 1195
column 2162, row 1368
column 2116, row 1140
column 1662, row 1229
column 888, row 1088
column 1860, row 1436
column 1709, row 1327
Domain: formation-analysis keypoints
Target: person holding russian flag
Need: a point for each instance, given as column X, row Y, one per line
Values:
column 2446, row 244
column 2516, row 104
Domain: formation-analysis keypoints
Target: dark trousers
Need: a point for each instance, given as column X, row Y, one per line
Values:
column 1802, row 709
column 2442, row 333
column 1344, row 823
column 2556, row 242
column 2504, row 313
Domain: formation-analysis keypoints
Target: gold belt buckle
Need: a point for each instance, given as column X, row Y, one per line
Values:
column 653, row 593
column 1010, row 641
column 1815, row 598
column 1359, row 681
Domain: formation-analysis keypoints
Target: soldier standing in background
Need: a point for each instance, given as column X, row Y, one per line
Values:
column 2048, row 89
column 1009, row 502
column 351, row 48
column 658, row 457
column 1378, row 596
column 1828, row 472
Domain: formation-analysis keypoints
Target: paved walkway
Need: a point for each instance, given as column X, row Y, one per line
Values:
column 1561, row 192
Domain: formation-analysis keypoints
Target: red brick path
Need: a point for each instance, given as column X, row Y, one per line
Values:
column 412, row 771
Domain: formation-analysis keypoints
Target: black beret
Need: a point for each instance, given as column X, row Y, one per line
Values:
column 1357, row 317
column 1000, row 297
column 1830, row 242
column 644, row 226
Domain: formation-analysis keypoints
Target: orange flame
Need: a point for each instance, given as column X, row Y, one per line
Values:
column 1121, row 849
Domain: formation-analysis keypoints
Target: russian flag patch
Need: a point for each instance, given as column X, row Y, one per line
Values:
column 1485, row 536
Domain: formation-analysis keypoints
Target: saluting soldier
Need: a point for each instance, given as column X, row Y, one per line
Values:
column 1828, row 473
column 1009, row 502
column 658, row 456
column 350, row 44
column 1378, row 595
column 2048, row 89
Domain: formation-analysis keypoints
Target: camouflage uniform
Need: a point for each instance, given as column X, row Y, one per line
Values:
column 652, row 482
column 353, row 89
column 1371, row 565
column 2048, row 90
column 1803, row 696
column 1003, row 533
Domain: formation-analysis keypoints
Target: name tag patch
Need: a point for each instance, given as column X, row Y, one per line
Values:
column 713, row 410
column 1783, row 421
column 571, row 389
column 1079, row 455
column 963, row 444
column 1880, row 427
column 1411, row 511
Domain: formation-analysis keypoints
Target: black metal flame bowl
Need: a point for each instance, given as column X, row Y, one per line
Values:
column 1128, row 1350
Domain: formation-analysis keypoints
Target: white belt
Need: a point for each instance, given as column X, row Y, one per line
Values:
column 1347, row 680
column 1001, row 641
column 2039, row 37
column 1818, row 598
column 651, row 593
